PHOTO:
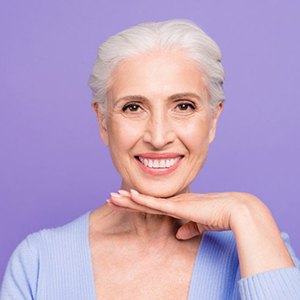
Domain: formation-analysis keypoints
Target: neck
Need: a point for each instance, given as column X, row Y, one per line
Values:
column 149, row 226
column 144, row 226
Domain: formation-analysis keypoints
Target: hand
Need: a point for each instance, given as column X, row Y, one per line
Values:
column 258, row 239
column 214, row 211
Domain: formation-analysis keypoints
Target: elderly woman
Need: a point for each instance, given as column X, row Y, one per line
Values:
column 158, row 95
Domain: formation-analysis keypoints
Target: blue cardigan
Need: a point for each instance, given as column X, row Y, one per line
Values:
column 56, row 264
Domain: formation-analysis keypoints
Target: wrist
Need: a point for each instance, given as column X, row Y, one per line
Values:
column 258, row 239
column 250, row 211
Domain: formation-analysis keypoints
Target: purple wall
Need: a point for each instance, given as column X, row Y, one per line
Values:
column 53, row 165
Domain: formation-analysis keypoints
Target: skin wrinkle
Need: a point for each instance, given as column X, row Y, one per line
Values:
column 155, row 79
column 140, row 251
column 153, row 53
column 172, row 97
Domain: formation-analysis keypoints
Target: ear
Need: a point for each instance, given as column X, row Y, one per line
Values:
column 215, row 117
column 101, row 123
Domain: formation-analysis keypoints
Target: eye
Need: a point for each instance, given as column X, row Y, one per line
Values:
column 132, row 107
column 185, row 106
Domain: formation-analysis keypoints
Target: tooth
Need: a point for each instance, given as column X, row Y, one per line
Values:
column 168, row 164
column 162, row 164
column 159, row 163
column 146, row 162
column 150, row 163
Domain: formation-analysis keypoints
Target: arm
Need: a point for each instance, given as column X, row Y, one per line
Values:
column 20, row 278
column 259, row 242
column 267, row 267
column 282, row 283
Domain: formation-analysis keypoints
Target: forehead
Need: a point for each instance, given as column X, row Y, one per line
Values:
column 157, row 74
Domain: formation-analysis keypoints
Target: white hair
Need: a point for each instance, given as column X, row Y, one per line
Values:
column 166, row 35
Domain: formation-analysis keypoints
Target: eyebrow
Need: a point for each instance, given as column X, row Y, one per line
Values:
column 185, row 95
column 172, row 97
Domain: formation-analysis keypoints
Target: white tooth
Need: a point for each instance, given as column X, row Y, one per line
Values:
column 162, row 164
column 159, row 163
column 145, row 162
column 150, row 163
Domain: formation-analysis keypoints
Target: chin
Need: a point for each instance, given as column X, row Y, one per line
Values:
column 159, row 192
column 156, row 189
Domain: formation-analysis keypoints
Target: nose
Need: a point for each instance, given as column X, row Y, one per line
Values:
column 159, row 130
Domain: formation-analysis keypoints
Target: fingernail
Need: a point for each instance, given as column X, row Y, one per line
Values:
column 108, row 201
column 115, row 195
column 123, row 192
column 134, row 192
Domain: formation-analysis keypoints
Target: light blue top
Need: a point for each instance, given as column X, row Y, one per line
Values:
column 56, row 264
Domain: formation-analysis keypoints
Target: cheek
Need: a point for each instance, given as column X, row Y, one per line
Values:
column 195, row 135
column 123, row 135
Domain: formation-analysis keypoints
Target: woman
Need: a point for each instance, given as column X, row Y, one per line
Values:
column 158, row 95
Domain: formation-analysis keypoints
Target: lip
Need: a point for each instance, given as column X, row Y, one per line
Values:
column 158, row 171
column 159, row 155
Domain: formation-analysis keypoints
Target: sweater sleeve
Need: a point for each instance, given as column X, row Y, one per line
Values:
column 279, row 284
column 21, row 275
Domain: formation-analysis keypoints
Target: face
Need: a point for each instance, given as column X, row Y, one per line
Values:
column 158, row 124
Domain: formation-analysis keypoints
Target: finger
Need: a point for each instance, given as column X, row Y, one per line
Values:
column 161, row 204
column 117, row 207
column 124, row 193
column 124, row 201
column 188, row 231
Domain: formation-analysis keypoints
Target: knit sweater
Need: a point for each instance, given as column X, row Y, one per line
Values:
column 55, row 264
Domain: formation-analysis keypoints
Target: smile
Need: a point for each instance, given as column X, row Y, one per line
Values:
column 159, row 163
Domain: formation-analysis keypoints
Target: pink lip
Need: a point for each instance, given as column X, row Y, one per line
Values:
column 159, row 155
column 158, row 171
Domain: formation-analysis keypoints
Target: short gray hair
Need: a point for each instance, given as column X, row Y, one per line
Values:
column 142, row 38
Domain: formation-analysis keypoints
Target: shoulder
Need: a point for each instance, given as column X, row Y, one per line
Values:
column 54, row 237
column 55, row 245
column 69, row 232
column 36, row 254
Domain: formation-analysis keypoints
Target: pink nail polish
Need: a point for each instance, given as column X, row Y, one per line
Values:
column 123, row 192
column 134, row 192
column 115, row 195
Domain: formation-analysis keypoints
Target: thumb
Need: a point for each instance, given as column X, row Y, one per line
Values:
column 188, row 231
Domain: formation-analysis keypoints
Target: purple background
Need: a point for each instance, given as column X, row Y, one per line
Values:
column 53, row 165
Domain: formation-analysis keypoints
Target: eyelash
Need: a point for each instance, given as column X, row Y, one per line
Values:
column 131, row 105
column 192, row 106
